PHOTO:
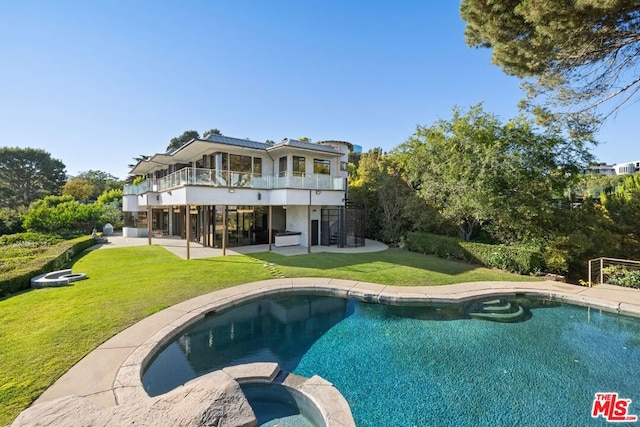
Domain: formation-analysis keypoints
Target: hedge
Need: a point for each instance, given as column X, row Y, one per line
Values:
column 516, row 259
column 53, row 259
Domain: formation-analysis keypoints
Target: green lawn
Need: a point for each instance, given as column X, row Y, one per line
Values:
column 45, row 332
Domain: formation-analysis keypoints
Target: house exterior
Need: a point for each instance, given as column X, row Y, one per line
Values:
column 617, row 169
column 225, row 192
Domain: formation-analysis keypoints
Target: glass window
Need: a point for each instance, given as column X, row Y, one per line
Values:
column 322, row 166
column 343, row 166
column 282, row 167
column 239, row 163
column 257, row 166
column 298, row 165
column 222, row 162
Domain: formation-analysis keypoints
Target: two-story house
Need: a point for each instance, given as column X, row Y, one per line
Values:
column 225, row 192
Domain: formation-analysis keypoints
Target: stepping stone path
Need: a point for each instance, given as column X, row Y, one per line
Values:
column 273, row 270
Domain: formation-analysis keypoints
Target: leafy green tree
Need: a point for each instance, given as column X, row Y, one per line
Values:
column 11, row 220
column 137, row 160
column 482, row 174
column 578, row 55
column 89, row 185
column 362, row 192
column 580, row 232
column 27, row 174
column 111, row 203
column 62, row 215
column 179, row 141
column 187, row 136
column 393, row 207
column 622, row 208
column 110, row 196
column 79, row 189
column 101, row 181
column 213, row 131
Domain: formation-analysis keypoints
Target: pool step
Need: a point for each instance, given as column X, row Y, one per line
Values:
column 498, row 311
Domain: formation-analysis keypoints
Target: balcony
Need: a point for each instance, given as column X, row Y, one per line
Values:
column 212, row 178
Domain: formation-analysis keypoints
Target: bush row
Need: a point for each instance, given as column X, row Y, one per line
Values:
column 53, row 259
column 18, row 238
column 516, row 259
column 616, row 275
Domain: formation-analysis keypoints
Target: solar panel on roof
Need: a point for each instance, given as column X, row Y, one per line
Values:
column 247, row 143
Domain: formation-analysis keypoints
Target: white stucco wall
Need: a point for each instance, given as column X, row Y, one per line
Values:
column 297, row 220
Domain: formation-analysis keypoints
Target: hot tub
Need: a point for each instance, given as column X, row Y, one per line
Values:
column 276, row 404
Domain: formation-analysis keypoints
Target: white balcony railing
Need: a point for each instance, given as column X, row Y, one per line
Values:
column 212, row 178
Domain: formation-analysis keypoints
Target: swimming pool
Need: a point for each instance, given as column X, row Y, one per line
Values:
column 399, row 365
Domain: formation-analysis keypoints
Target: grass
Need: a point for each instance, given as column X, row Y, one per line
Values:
column 44, row 332
column 391, row 267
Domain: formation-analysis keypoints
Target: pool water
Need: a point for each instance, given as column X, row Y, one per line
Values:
column 276, row 406
column 417, row 366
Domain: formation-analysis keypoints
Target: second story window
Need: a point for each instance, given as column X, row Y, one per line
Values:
column 282, row 166
column 257, row 166
column 239, row 163
column 321, row 166
column 298, row 166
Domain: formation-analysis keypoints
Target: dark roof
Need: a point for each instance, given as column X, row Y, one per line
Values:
column 237, row 142
column 306, row 145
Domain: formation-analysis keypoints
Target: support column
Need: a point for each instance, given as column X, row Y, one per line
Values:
column 149, row 223
column 270, row 226
column 309, row 229
column 188, row 230
column 170, row 220
column 224, row 231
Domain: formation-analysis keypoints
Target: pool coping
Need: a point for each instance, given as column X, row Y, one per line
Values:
column 111, row 374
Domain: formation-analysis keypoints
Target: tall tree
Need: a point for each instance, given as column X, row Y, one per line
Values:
column 579, row 55
column 28, row 174
column 482, row 174
column 213, row 131
column 79, row 189
column 179, row 141
column 137, row 160
column 96, row 181
column 392, row 206
column 62, row 214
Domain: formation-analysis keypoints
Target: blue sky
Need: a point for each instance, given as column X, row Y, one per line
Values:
column 98, row 83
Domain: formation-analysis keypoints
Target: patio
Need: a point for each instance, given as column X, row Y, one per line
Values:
column 197, row 251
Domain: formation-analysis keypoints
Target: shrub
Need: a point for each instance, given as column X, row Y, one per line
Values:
column 63, row 214
column 556, row 256
column 11, row 220
column 616, row 275
column 517, row 259
column 54, row 258
column 29, row 237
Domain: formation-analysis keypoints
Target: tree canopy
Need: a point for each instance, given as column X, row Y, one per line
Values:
column 90, row 184
column 213, row 131
column 188, row 135
column 481, row 173
column 28, row 174
column 578, row 55
column 179, row 141
column 62, row 214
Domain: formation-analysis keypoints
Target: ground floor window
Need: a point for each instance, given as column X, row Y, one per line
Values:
column 246, row 225
column 135, row 219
